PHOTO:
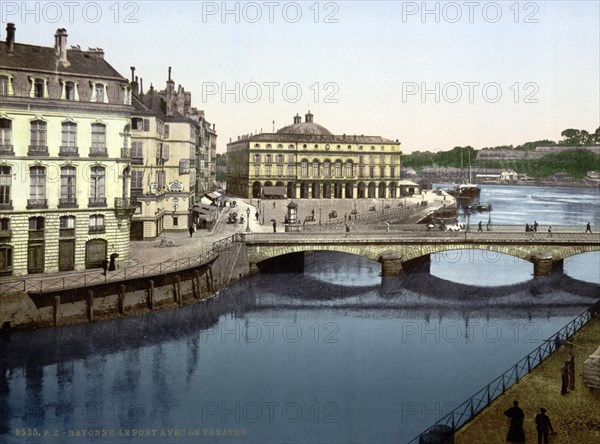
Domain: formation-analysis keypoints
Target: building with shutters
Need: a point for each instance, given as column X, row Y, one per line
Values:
column 64, row 166
column 311, row 162
column 167, row 152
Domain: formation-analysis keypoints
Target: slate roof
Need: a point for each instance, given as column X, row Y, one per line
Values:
column 322, row 138
column 42, row 58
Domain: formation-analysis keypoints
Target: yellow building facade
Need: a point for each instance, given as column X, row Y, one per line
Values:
column 64, row 166
column 310, row 162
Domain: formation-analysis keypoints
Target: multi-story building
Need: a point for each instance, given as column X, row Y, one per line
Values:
column 311, row 162
column 64, row 172
column 166, row 134
column 205, row 154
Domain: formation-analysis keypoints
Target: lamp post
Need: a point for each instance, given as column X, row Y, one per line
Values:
column 248, row 220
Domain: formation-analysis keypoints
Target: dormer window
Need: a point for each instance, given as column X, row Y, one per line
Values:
column 69, row 91
column 99, row 92
column 139, row 124
column 6, row 85
column 38, row 89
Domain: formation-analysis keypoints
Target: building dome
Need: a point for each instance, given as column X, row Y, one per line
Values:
column 307, row 127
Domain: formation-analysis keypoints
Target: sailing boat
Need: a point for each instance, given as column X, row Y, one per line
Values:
column 467, row 191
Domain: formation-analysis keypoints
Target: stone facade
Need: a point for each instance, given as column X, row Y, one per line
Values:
column 64, row 166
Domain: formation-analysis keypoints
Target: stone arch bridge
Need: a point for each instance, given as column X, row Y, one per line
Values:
column 400, row 251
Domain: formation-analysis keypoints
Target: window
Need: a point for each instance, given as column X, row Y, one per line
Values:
column 279, row 158
column 361, row 171
column 36, row 224
column 166, row 132
column 97, row 181
column 361, row 159
column 37, row 133
column 382, row 159
column 268, row 170
column 256, row 158
column 372, row 159
column 382, row 172
column 37, row 187
column 97, row 223
column 4, row 224
column 280, row 146
column 99, row 93
column 69, row 138
column 392, row 160
column 279, row 170
column 5, row 260
column 184, row 166
column 392, row 172
column 67, row 226
column 349, row 169
column 69, row 91
column 6, row 133
column 338, row 168
column 4, row 84
column 160, row 179
column 137, row 123
column 304, row 168
column 291, row 158
column 5, row 185
column 268, row 158
column 175, row 221
column 162, row 153
column 256, row 170
column 98, row 140
column 291, row 146
column 137, row 152
column 68, row 197
column 327, row 168
column 315, row 169
column 268, row 146
column 38, row 88
column 291, row 170
column 136, row 182
column 371, row 172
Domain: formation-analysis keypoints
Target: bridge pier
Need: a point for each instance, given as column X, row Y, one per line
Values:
column 391, row 264
column 543, row 264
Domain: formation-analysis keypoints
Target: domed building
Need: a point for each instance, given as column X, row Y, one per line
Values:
column 305, row 160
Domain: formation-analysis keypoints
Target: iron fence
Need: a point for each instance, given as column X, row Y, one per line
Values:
column 466, row 411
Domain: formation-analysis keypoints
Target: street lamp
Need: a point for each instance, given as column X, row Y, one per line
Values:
column 248, row 220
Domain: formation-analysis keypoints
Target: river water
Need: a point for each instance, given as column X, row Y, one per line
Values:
column 331, row 355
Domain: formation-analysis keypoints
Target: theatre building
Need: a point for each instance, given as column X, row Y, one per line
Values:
column 64, row 166
column 308, row 161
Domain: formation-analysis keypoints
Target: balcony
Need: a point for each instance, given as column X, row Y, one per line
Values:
column 137, row 160
column 98, row 151
column 125, row 202
column 37, row 150
column 67, row 202
column 5, row 234
column 7, row 150
column 36, row 235
column 96, row 202
column 97, row 229
column 69, row 151
column 37, row 204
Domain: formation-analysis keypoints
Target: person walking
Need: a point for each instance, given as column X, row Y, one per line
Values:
column 549, row 231
column 387, row 226
column 588, row 228
column 274, row 226
column 564, row 377
column 104, row 266
column 543, row 426
column 479, row 226
column 571, row 371
column 527, row 228
column 256, row 215
column 191, row 230
column 347, row 230
column 515, row 434
column 535, row 225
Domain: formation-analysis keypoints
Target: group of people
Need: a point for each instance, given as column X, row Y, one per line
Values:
column 516, row 434
column 567, row 375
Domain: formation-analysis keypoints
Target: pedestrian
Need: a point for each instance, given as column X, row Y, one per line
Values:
column 191, row 230
column 535, row 225
column 479, row 227
column 527, row 228
column 549, row 231
column 543, row 426
column 104, row 266
column 571, row 362
column 556, row 342
column 274, row 203
column 515, row 434
column 588, row 228
column 347, row 229
column 387, row 226
column 564, row 377
column 112, row 266
column 274, row 226
column 256, row 215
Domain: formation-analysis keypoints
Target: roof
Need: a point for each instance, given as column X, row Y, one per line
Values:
column 305, row 128
column 42, row 58
column 301, row 138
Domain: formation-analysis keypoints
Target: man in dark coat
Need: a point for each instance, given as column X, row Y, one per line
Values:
column 564, row 376
column 104, row 266
column 515, row 434
column 571, row 362
column 543, row 426
column 274, row 225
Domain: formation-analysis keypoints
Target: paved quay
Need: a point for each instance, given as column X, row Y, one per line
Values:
column 575, row 416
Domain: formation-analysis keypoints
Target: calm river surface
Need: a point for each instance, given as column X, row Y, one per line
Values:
column 332, row 355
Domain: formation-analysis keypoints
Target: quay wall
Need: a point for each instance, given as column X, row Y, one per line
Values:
column 116, row 299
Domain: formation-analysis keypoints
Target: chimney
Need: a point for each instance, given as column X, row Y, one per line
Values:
column 141, row 88
column 170, row 96
column 297, row 119
column 308, row 117
column 60, row 45
column 10, row 37
column 134, row 83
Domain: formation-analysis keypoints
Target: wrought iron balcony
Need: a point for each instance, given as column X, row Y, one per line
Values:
column 125, row 202
column 98, row 151
column 67, row 202
column 37, row 203
column 37, row 150
column 68, row 151
column 97, row 202
column 6, row 150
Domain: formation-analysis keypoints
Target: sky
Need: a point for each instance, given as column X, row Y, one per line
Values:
column 432, row 75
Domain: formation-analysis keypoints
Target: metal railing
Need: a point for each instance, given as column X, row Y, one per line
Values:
column 466, row 411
